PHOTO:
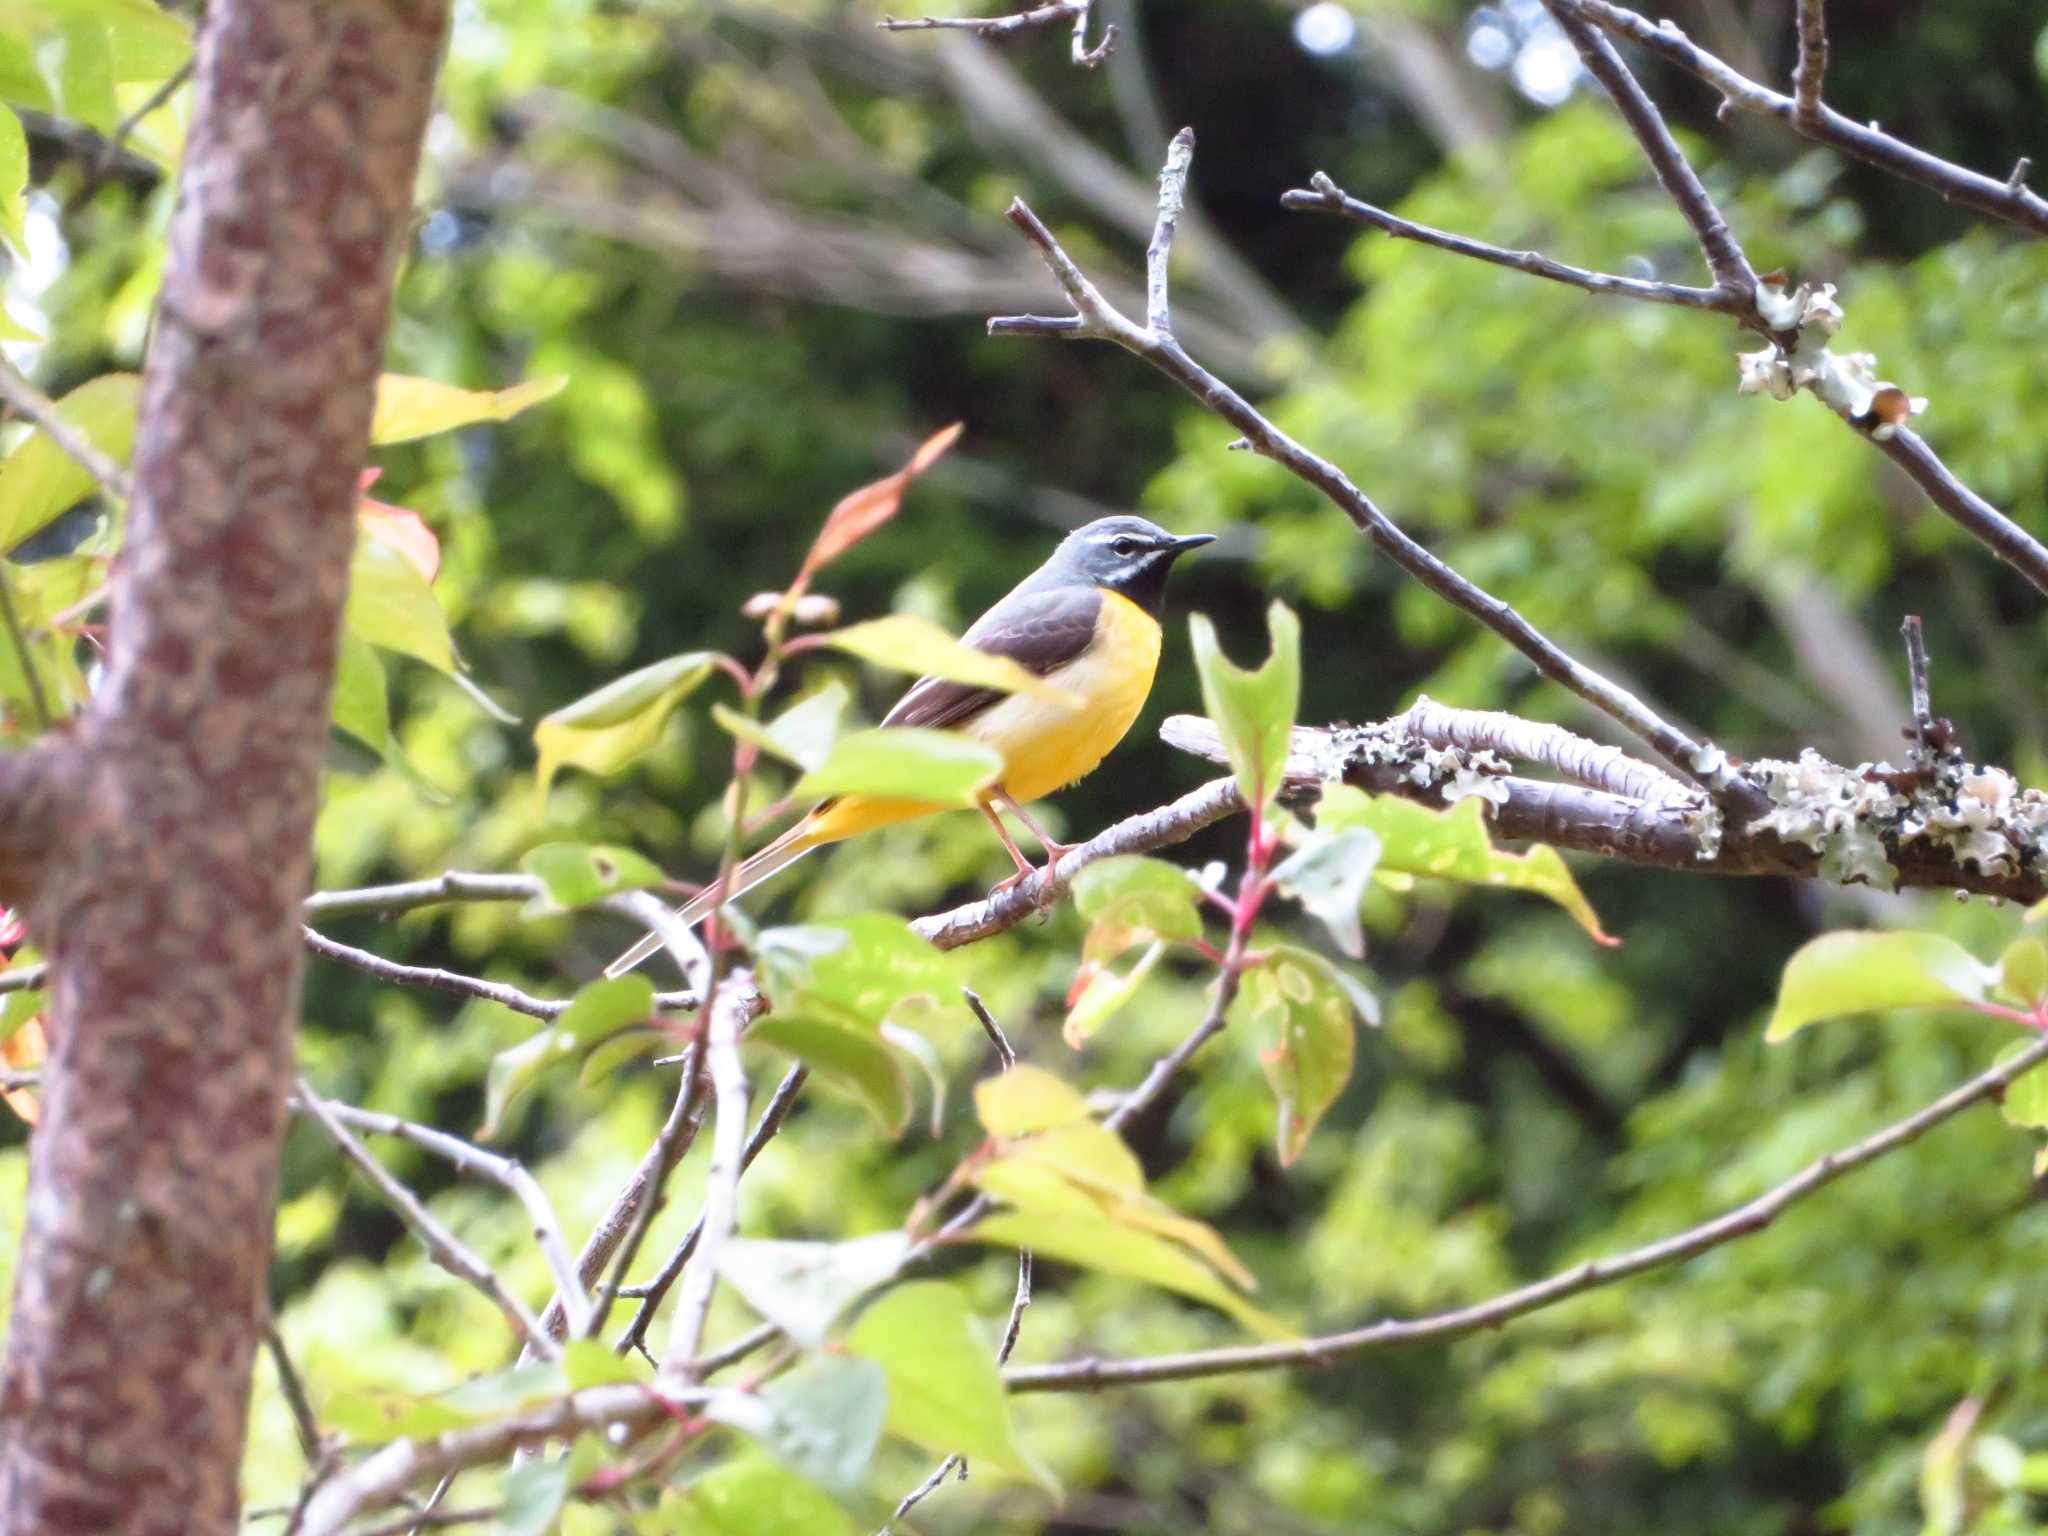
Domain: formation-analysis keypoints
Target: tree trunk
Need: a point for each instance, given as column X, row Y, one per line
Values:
column 161, row 846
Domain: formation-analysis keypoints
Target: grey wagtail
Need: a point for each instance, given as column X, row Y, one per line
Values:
column 1087, row 621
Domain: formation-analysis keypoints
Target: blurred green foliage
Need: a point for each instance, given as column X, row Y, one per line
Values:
column 594, row 182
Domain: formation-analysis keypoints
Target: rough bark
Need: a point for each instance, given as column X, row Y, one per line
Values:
column 169, row 898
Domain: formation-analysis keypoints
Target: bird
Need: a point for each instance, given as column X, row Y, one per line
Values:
column 1086, row 621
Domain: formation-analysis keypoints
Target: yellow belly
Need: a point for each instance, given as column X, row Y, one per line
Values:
column 1044, row 746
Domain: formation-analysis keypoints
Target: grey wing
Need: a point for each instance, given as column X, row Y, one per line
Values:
column 1040, row 631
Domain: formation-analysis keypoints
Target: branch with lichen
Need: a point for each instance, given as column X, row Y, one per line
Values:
column 1076, row 11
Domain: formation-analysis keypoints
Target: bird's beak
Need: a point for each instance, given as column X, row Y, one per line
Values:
column 1192, row 541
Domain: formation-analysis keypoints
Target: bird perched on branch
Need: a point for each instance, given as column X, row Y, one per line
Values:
column 1087, row 621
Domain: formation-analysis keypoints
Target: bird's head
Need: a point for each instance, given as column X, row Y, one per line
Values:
column 1125, row 555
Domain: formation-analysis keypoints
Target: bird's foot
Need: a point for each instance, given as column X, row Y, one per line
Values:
column 1054, row 852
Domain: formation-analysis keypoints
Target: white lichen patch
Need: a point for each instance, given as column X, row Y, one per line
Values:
column 1846, row 382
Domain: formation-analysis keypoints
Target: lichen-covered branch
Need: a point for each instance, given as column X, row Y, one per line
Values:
column 1751, row 1217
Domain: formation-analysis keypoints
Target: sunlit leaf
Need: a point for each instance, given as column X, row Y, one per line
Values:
column 906, row 643
column 855, row 971
column 575, row 874
column 391, row 605
column 945, row 1391
column 1328, row 875
column 362, row 706
column 822, row 1420
column 40, row 481
column 1026, row 1099
column 1839, row 974
column 403, row 530
column 802, row 734
column 1253, row 711
column 13, row 182
column 1103, row 992
column 748, row 1495
column 609, row 1055
column 904, row 763
column 1292, row 998
column 597, row 1012
column 410, row 407
column 1453, row 844
column 593, row 1363
column 2025, row 1100
column 863, row 511
column 1129, row 899
column 804, row 1288
column 2023, row 972
column 855, row 1061
column 603, row 731
column 373, row 1417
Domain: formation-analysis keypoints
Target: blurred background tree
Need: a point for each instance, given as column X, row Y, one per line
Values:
column 759, row 241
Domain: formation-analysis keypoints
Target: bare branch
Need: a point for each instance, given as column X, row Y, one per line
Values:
column 38, row 407
column 468, row 1158
column 447, row 1250
column 502, row 993
column 2006, row 538
column 1811, row 70
column 730, row 1013
column 1328, row 197
column 650, row 1295
column 312, row 1444
column 1094, row 317
column 1168, row 1066
column 1017, row 21
column 1922, row 695
column 1173, row 196
column 1564, row 752
column 1006, row 1054
column 2010, row 199
column 1754, row 1216
column 25, row 978
column 451, row 885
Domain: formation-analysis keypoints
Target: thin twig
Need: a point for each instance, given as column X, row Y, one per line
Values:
column 1095, row 318
column 1754, row 1216
column 312, row 1444
column 1326, row 196
column 1017, row 21
column 446, row 1249
column 2009, row 199
column 24, row 978
column 1167, row 1067
column 426, row 1519
column 469, row 1158
column 1922, row 695
column 450, row 885
column 1811, row 70
column 924, row 1490
column 721, row 1195
column 1173, row 196
column 502, row 993
column 652, row 1293
column 39, row 408
column 1005, row 1052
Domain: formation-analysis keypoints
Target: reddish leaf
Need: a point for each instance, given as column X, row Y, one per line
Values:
column 862, row 512
column 399, row 529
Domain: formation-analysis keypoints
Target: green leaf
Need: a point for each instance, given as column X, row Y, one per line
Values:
column 906, row 643
column 945, row 1389
column 1839, row 974
column 575, row 875
column 802, row 734
column 362, row 707
column 854, row 1061
column 603, row 731
column 532, row 1497
column 1104, row 994
column 1026, row 1099
column 855, row 972
column 1294, row 998
column 410, row 407
column 608, row 1056
column 592, row 1363
column 374, row 1417
column 2025, row 1100
column 13, row 182
column 1253, row 710
column 904, row 763
column 2023, row 972
column 77, row 64
column 391, row 605
column 1113, row 1248
column 748, row 1495
column 1328, row 875
column 40, row 481
column 1129, row 900
column 804, row 1288
column 597, row 1011
column 1453, row 845
column 822, row 1420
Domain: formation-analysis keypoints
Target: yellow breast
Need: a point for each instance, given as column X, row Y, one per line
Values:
column 1046, row 746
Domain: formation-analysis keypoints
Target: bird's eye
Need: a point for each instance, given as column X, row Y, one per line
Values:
column 1125, row 547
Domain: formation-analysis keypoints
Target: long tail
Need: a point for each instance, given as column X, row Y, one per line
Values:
column 778, row 855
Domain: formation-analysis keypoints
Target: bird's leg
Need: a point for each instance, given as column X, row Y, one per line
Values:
column 1054, row 851
column 1024, row 865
